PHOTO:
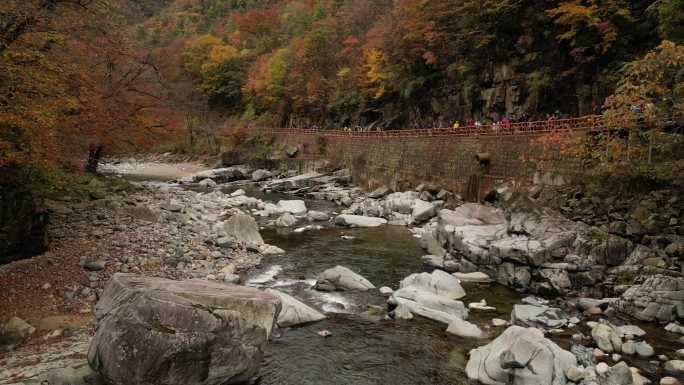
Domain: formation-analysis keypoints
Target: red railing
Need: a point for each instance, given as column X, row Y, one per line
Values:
column 584, row 123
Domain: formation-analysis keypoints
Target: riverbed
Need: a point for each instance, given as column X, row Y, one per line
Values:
column 358, row 342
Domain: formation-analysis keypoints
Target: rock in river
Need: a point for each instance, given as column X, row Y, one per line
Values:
column 431, row 296
column 293, row 311
column 538, row 316
column 438, row 282
column 520, row 356
column 466, row 329
column 607, row 338
column 359, row 221
column 153, row 331
column 243, row 229
column 296, row 207
column 341, row 278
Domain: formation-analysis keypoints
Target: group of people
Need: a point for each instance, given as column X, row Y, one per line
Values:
column 503, row 124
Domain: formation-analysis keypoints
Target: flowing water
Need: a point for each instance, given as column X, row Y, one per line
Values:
column 363, row 348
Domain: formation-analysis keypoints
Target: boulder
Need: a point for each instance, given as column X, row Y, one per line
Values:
column 411, row 301
column 342, row 278
column 296, row 207
column 659, row 297
column 538, row 316
column 675, row 366
column 207, row 183
column 14, row 331
column 644, row 349
column 466, row 329
column 261, row 175
column 607, row 337
column 294, row 312
column 432, row 296
column 359, row 221
column 157, row 331
column 438, row 283
column 520, row 356
column 78, row 374
column 244, row 229
column 286, row 220
column 379, row 192
column 317, row 216
column 620, row 374
column 422, row 211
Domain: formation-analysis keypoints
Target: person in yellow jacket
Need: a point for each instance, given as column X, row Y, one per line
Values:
column 456, row 125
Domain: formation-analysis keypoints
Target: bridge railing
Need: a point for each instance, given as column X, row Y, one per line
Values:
column 584, row 123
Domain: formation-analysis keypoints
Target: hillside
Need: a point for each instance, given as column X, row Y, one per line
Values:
column 408, row 63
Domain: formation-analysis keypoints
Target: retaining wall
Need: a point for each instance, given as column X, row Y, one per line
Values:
column 401, row 162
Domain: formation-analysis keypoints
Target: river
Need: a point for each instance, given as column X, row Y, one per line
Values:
column 365, row 346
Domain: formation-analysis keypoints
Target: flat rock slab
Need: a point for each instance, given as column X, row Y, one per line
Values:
column 359, row 221
column 153, row 331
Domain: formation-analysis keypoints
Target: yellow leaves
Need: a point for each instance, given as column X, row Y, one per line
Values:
column 197, row 51
column 588, row 18
column 375, row 76
column 344, row 72
column 222, row 54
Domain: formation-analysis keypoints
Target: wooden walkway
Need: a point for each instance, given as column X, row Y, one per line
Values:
column 584, row 123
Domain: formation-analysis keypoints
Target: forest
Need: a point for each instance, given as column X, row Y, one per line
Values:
column 83, row 77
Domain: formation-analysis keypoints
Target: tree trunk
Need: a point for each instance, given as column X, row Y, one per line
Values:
column 94, row 155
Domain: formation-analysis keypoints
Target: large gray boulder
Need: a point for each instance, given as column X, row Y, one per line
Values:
column 293, row 311
column 153, row 331
column 342, row 278
column 422, row 211
column 244, row 229
column 520, row 356
column 431, row 295
column 438, row 283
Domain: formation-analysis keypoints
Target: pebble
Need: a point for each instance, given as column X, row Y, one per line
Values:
column 602, row 368
column 386, row 290
column 599, row 354
column 644, row 349
column 499, row 322
column 669, row 381
column 95, row 265
column 675, row 366
column 680, row 353
column 594, row 311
